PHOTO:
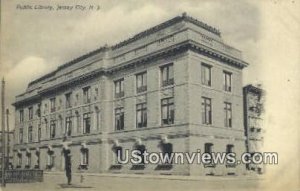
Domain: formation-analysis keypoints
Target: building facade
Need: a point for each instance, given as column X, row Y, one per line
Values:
column 253, row 110
column 176, row 87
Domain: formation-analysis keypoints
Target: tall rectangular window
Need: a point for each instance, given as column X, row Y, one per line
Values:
column 28, row 160
column 39, row 133
column 52, row 104
column 84, row 157
column 86, row 123
column 141, row 82
column 68, row 100
column 208, row 148
column 167, row 111
column 119, row 119
column 52, row 129
column 21, row 135
column 167, row 75
column 68, row 130
column 141, row 115
column 227, row 114
column 206, row 74
column 119, row 88
column 86, row 95
column 21, row 113
column 227, row 81
column 30, row 113
column 29, row 134
column 206, row 111
column 229, row 149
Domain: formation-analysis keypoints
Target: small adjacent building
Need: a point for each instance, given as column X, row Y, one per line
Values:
column 253, row 111
column 176, row 87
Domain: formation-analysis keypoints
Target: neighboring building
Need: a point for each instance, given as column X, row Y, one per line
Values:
column 9, row 143
column 253, row 109
column 176, row 87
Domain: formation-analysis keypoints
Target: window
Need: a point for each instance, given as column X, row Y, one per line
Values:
column 119, row 88
column 52, row 129
column 52, row 104
column 208, row 147
column 28, row 160
column 141, row 82
column 97, row 119
column 141, row 149
column 141, row 115
column 86, row 123
column 227, row 114
column 227, row 81
column 30, row 113
column 118, row 150
column 68, row 130
column 38, row 111
column 21, row 115
column 119, row 119
column 50, row 159
column 167, row 111
column 39, row 133
column 19, row 160
column 68, row 100
column 21, row 135
column 84, row 157
column 29, row 134
column 229, row 149
column 206, row 111
column 167, row 75
column 86, row 95
column 167, row 150
column 206, row 74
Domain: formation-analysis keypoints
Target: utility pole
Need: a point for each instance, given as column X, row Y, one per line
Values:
column 7, row 138
column 3, row 133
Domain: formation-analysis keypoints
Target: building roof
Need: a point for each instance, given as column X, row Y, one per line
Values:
column 183, row 17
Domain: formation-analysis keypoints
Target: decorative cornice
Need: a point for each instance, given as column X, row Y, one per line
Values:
column 172, row 50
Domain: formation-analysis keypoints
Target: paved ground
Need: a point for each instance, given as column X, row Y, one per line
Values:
column 139, row 183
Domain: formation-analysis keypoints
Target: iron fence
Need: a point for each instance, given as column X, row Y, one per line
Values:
column 23, row 176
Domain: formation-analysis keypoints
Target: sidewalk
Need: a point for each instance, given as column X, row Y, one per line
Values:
column 167, row 177
column 137, row 182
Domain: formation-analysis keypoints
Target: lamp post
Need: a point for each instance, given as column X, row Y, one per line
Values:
column 7, row 138
column 3, row 134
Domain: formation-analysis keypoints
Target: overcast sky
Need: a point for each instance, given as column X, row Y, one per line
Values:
column 36, row 42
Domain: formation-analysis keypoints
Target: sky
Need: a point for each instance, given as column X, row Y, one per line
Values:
column 34, row 43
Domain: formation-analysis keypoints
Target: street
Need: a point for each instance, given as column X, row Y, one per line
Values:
column 139, row 183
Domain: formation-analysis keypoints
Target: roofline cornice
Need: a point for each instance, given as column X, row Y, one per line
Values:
column 172, row 50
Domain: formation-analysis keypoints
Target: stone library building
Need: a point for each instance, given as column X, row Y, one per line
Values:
column 176, row 87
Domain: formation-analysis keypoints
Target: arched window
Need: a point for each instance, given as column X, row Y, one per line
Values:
column 167, row 160
column 84, row 158
column 167, row 150
column 208, row 149
column 50, row 159
column 141, row 148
